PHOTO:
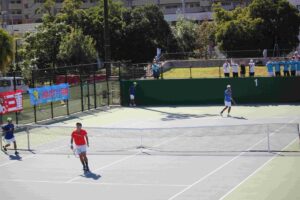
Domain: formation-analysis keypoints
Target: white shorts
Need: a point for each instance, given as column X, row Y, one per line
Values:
column 10, row 140
column 131, row 97
column 227, row 103
column 80, row 149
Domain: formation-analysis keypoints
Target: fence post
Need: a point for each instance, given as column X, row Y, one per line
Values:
column 81, row 89
column 107, row 86
column 268, row 138
column 191, row 71
column 219, row 71
column 15, row 88
column 95, row 95
column 51, row 79
column 66, row 81
column 33, row 86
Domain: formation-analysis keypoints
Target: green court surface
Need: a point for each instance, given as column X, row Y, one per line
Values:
column 278, row 179
column 188, row 153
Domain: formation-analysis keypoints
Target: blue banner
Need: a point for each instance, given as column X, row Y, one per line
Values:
column 48, row 94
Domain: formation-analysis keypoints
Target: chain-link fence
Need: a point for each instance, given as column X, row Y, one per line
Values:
column 90, row 86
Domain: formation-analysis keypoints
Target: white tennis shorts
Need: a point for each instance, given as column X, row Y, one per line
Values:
column 131, row 97
column 227, row 103
column 10, row 140
column 80, row 149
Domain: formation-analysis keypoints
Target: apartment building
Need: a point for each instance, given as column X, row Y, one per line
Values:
column 24, row 11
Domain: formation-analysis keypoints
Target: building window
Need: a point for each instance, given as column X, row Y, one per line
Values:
column 171, row 7
column 26, row 5
column 16, row 12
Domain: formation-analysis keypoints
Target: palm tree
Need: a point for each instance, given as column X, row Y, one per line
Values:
column 6, row 50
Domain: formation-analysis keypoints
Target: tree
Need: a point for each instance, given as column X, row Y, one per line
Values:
column 145, row 30
column 260, row 25
column 41, row 48
column 6, row 50
column 185, row 33
column 205, row 38
column 76, row 48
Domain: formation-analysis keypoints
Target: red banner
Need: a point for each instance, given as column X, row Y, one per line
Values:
column 11, row 101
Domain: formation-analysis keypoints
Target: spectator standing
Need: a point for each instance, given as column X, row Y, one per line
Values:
column 226, row 69
column 132, row 90
column 286, row 67
column 235, row 69
column 270, row 69
column 155, row 69
column 277, row 65
column 251, row 68
column 243, row 70
column 293, row 64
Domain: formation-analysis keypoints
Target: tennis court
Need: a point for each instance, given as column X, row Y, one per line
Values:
column 161, row 153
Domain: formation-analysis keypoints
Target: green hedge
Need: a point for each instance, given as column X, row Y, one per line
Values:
column 211, row 91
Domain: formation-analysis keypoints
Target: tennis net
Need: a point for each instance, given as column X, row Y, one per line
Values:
column 55, row 139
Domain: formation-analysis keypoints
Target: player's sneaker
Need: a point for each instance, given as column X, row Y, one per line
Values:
column 16, row 153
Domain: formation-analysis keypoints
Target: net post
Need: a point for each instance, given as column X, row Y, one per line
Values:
column 268, row 138
column 28, row 138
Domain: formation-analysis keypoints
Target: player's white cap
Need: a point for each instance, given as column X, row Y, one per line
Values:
column 9, row 119
column 228, row 86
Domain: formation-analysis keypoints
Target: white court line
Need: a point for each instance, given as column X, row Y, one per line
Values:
column 222, row 166
column 91, row 183
column 258, row 169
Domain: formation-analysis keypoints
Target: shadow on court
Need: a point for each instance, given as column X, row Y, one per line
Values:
column 175, row 116
column 15, row 157
column 91, row 175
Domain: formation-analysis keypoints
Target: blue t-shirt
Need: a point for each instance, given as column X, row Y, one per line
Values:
column 286, row 65
column 298, row 65
column 155, row 68
column 277, row 66
column 8, row 131
column 269, row 66
column 132, row 90
column 227, row 95
column 293, row 65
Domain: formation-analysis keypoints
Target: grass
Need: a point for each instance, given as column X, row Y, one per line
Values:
column 207, row 72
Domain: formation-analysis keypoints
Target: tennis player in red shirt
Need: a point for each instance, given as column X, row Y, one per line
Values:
column 80, row 138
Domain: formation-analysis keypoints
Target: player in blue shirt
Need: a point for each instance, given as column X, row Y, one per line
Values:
column 277, row 65
column 8, row 134
column 227, row 100
column 132, row 89
column 286, row 67
column 293, row 64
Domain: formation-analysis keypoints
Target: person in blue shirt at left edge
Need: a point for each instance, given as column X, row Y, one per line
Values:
column 8, row 134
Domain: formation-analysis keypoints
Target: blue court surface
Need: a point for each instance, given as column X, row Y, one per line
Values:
column 184, row 153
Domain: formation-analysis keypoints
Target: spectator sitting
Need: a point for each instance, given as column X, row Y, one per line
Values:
column 155, row 69
column 235, row 69
column 226, row 69
column 251, row 68
column 286, row 67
